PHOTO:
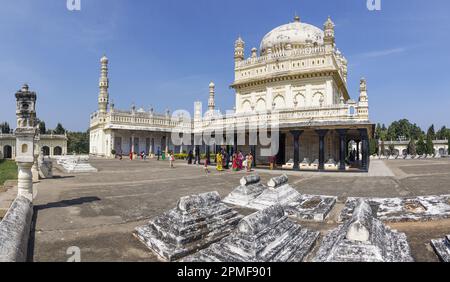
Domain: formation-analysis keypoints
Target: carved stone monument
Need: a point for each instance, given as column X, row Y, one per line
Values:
column 25, row 135
column 278, row 193
column 194, row 224
column 364, row 238
column 265, row 236
column 442, row 248
column 249, row 189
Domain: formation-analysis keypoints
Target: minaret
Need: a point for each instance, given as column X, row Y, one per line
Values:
column 239, row 49
column 363, row 104
column 211, row 103
column 25, row 137
column 329, row 40
column 103, row 96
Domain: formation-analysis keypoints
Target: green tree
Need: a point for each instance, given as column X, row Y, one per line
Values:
column 59, row 129
column 78, row 142
column 42, row 129
column 431, row 133
column 4, row 127
column 442, row 133
column 373, row 147
column 421, row 146
column 412, row 147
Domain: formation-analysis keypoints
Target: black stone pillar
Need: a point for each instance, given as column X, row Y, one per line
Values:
column 322, row 133
column 357, row 150
column 364, row 149
column 253, row 151
column 197, row 154
column 208, row 153
column 235, row 143
column 342, row 136
column 296, row 134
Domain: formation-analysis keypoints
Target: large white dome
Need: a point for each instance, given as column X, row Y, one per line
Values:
column 295, row 33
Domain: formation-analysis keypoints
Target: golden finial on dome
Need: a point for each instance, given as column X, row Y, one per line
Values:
column 296, row 18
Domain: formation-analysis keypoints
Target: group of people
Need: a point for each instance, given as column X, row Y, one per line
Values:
column 238, row 161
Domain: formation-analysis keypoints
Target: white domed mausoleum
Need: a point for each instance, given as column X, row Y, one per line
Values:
column 296, row 80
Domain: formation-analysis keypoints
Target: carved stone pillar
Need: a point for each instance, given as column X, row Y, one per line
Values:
column 342, row 136
column 322, row 133
column 296, row 134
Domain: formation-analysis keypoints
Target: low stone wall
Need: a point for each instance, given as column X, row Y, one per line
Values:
column 15, row 231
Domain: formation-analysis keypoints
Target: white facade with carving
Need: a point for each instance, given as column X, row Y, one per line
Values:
column 297, row 79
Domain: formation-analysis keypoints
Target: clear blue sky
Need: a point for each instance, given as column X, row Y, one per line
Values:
column 164, row 53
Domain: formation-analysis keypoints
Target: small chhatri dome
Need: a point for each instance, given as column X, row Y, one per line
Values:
column 104, row 59
column 295, row 33
column 329, row 23
column 211, row 85
column 25, row 87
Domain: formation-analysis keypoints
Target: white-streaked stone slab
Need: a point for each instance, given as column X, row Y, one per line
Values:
column 442, row 248
column 265, row 236
column 364, row 238
column 249, row 189
column 422, row 208
column 194, row 224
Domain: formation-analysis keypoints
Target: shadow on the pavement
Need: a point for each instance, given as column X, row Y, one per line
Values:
column 60, row 204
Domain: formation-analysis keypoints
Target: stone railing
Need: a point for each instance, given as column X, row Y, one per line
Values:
column 292, row 54
column 339, row 112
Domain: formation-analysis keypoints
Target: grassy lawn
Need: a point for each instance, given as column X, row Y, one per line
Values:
column 8, row 171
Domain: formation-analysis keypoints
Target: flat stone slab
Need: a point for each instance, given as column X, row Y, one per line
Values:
column 310, row 207
column 422, row 208
column 194, row 224
column 364, row 238
column 265, row 236
column 75, row 164
column 442, row 248
column 248, row 191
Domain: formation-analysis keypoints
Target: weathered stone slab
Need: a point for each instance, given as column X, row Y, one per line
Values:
column 442, row 248
column 364, row 238
column 265, row 236
column 310, row 207
column 249, row 189
column 423, row 208
column 15, row 231
column 76, row 164
column 195, row 223
column 278, row 193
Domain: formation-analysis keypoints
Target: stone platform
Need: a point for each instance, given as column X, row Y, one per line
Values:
column 310, row 207
column 442, row 248
column 195, row 223
column 265, row 236
column 364, row 238
column 251, row 194
column 422, row 208
column 75, row 164
column 248, row 191
column 279, row 192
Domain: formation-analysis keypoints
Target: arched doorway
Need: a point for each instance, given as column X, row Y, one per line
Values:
column 7, row 152
column 46, row 151
column 441, row 151
column 57, row 151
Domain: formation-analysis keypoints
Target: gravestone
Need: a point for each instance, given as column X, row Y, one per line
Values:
column 421, row 208
column 265, row 236
column 279, row 192
column 364, row 238
column 442, row 248
column 194, row 224
column 249, row 189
